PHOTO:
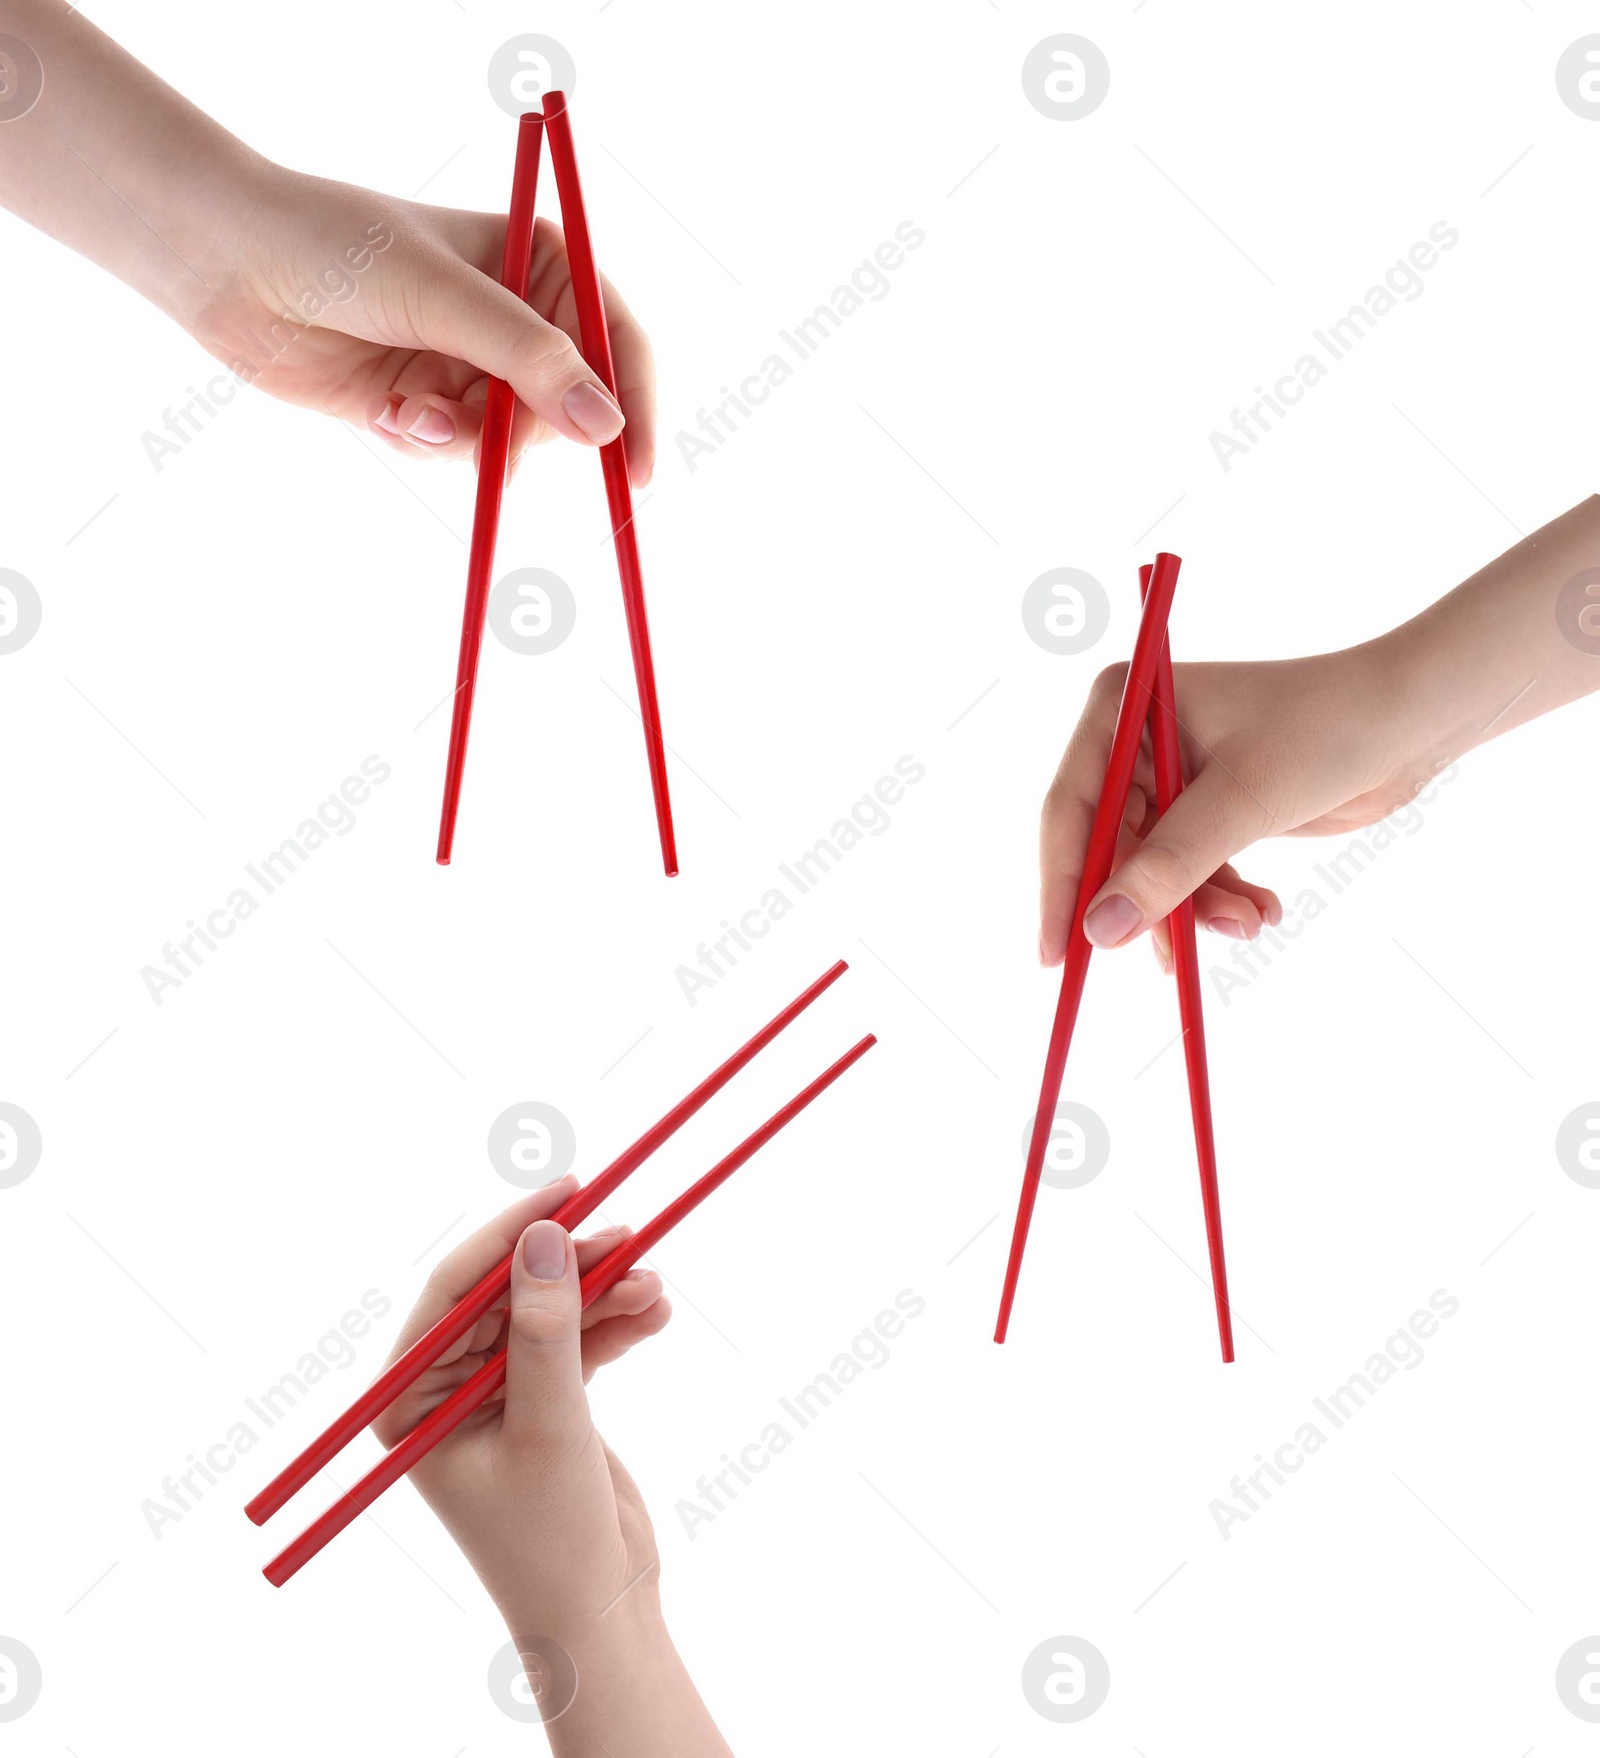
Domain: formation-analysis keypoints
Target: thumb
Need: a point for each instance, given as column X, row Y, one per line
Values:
column 545, row 1401
column 1210, row 821
column 466, row 314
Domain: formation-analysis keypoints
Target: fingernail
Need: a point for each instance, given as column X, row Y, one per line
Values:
column 1161, row 957
column 432, row 426
column 544, row 1252
column 387, row 421
column 593, row 413
column 1111, row 920
column 1228, row 926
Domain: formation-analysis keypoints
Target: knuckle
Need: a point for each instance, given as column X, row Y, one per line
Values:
column 1108, row 684
column 543, row 352
column 441, row 1289
column 540, row 1324
column 1165, row 873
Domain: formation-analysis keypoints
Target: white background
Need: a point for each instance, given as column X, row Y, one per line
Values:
column 837, row 587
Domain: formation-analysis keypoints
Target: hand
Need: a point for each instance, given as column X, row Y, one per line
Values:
column 1315, row 747
column 545, row 1513
column 390, row 313
column 543, row 1510
column 1305, row 746
column 381, row 311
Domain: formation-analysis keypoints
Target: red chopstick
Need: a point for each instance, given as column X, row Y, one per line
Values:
column 1098, row 856
column 494, row 452
column 474, row 1304
column 487, row 1380
column 1186, row 962
column 596, row 338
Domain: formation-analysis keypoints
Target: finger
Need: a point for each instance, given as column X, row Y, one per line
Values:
column 1225, row 911
column 527, row 431
column 464, row 313
column 1265, row 900
column 636, row 1291
column 488, row 1334
column 632, row 363
column 1130, row 833
column 1069, row 808
column 1226, row 905
column 1208, row 822
column 634, row 1295
column 608, row 1342
column 598, row 1245
column 636, row 386
column 1219, row 912
column 466, row 1266
column 1218, row 906
column 430, row 425
column 545, row 1405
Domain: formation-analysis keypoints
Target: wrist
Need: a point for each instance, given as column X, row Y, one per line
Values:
column 599, row 1634
column 601, row 1677
column 210, row 215
column 1412, row 697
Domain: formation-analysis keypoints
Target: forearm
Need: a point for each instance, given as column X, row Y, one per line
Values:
column 633, row 1694
column 117, row 165
column 1510, row 644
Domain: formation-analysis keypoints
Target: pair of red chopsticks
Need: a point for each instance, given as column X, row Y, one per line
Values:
column 489, row 1292
column 1146, row 696
column 495, row 451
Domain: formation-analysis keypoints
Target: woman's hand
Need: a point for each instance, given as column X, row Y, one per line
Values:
column 544, row 1511
column 380, row 311
column 1320, row 746
column 1311, row 746
column 390, row 313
